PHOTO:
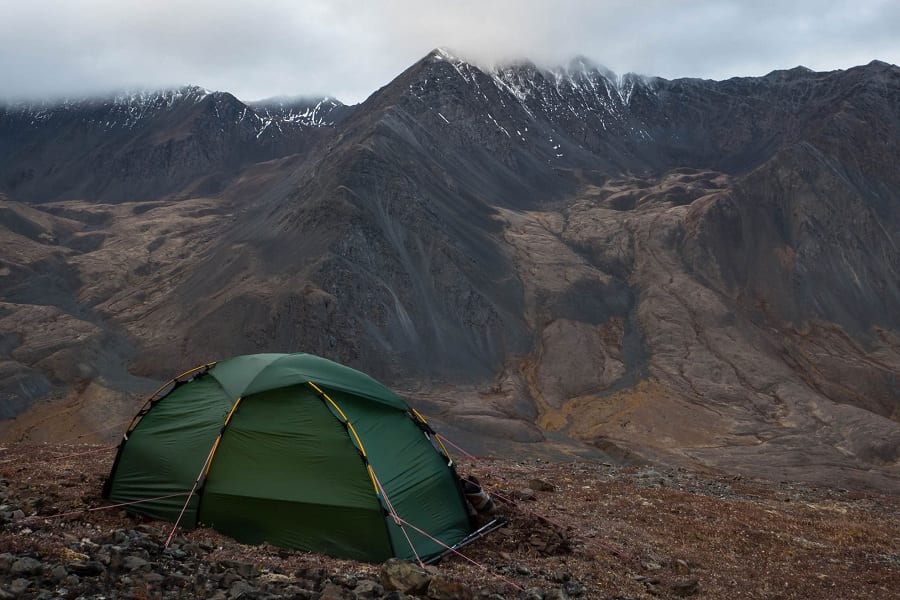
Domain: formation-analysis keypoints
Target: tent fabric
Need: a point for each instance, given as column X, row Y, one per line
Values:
column 293, row 450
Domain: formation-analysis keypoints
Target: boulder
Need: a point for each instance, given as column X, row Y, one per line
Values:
column 404, row 576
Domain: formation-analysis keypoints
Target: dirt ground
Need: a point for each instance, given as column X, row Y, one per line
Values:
column 591, row 529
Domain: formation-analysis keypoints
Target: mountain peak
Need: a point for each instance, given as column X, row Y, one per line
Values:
column 881, row 64
column 582, row 65
column 443, row 53
column 302, row 99
column 169, row 96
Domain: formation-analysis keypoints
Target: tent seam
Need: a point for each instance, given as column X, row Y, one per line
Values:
column 209, row 462
column 365, row 458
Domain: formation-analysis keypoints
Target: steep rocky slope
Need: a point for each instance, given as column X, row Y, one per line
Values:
column 690, row 271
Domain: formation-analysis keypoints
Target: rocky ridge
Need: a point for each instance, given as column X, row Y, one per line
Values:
column 150, row 144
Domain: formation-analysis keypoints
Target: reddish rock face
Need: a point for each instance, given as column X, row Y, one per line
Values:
column 690, row 271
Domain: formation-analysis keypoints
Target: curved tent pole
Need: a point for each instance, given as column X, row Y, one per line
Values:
column 342, row 418
column 423, row 424
column 204, row 470
column 379, row 489
column 154, row 397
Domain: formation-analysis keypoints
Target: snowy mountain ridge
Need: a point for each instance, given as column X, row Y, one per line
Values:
column 129, row 110
column 560, row 112
column 311, row 112
column 593, row 83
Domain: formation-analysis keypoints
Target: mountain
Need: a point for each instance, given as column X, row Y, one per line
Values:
column 148, row 145
column 690, row 271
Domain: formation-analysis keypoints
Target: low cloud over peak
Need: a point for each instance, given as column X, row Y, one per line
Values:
column 347, row 49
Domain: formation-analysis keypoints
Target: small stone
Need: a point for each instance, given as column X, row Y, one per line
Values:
column 25, row 566
column 403, row 576
column 561, row 577
column 229, row 578
column 274, row 577
column 555, row 594
column 18, row 586
column 247, row 570
column 343, row 580
column 526, row 494
column 238, row 589
column 58, row 573
column 316, row 574
column 442, row 589
column 333, row 591
column 153, row 578
column 541, row 485
column 89, row 544
column 176, row 553
column 6, row 562
column 686, row 587
column 532, row 594
column 88, row 568
column 523, row 570
column 298, row 593
column 574, row 589
column 136, row 563
column 649, row 565
column 176, row 580
column 368, row 589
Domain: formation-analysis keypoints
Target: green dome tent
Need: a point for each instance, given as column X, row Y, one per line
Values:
column 296, row 451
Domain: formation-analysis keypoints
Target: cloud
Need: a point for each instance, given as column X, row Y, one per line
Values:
column 349, row 49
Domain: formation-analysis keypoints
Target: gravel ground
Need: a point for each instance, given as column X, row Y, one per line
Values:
column 577, row 530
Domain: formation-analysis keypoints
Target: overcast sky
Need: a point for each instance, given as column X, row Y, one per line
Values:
column 349, row 48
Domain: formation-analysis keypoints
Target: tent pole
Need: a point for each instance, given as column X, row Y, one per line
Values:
column 204, row 470
column 191, row 494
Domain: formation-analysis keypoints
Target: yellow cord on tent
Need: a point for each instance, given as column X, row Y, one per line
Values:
column 346, row 421
column 379, row 489
column 436, row 436
column 219, row 437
